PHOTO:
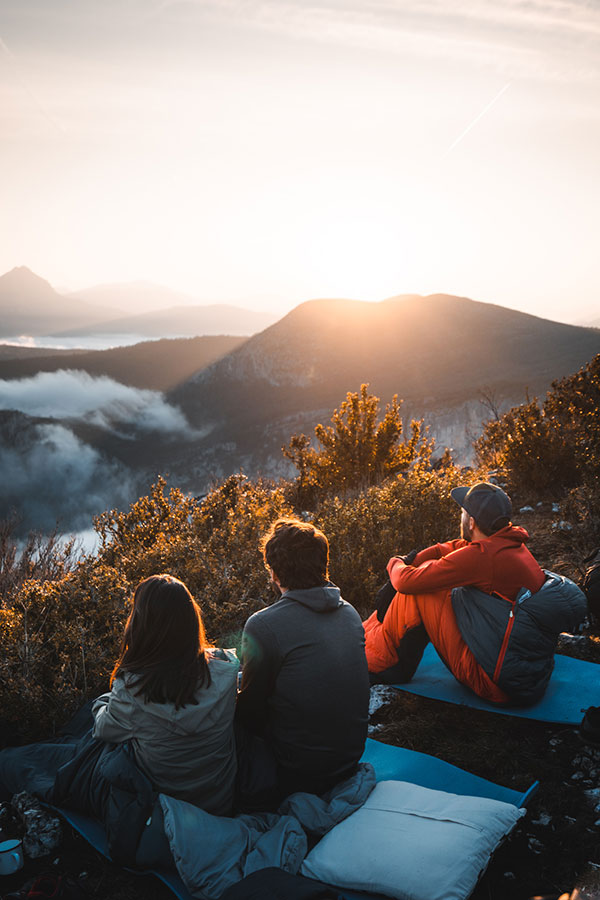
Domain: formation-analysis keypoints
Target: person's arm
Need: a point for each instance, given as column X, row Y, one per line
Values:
column 113, row 714
column 260, row 665
column 436, row 551
column 459, row 567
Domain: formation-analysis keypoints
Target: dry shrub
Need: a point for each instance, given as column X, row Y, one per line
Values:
column 61, row 634
column 553, row 446
column 211, row 545
column 409, row 512
column 60, row 639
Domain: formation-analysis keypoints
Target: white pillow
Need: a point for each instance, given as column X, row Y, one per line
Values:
column 412, row 843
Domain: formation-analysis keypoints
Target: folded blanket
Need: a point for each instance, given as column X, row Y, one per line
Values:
column 212, row 853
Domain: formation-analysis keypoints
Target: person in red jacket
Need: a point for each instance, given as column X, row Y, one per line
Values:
column 490, row 555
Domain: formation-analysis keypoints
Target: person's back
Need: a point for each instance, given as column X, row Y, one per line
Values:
column 186, row 752
column 317, row 711
column 173, row 698
column 305, row 684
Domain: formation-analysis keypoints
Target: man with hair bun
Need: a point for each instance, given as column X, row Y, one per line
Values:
column 490, row 611
column 304, row 698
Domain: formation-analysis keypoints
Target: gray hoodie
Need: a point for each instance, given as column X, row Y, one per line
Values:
column 305, row 684
column 188, row 753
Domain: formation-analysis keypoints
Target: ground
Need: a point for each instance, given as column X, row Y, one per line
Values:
column 557, row 844
column 554, row 850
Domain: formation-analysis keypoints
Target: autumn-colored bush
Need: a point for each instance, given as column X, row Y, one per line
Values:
column 551, row 447
column 61, row 632
column 45, row 558
column 61, row 635
column 371, row 490
column 355, row 451
column 212, row 545
column 59, row 641
column 408, row 512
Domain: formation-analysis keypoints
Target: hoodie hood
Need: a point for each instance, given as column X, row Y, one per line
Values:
column 508, row 537
column 319, row 599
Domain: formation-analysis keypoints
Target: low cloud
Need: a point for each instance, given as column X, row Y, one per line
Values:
column 50, row 478
column 101, row 401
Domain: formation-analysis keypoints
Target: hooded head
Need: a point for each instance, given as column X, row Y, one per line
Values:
column 488, row 504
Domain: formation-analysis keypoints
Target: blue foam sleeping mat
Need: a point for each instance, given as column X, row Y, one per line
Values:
column 573, row 687
column 390, row 763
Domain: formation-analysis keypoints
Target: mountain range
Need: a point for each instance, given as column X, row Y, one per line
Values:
column 244, row 398
column 29, row 305
column 438, row 353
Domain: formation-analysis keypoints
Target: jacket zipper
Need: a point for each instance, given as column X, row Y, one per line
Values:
column 509, row 628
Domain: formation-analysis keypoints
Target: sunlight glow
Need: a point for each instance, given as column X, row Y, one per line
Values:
column 262, row 154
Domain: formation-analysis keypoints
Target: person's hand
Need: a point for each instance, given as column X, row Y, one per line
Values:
column 408, row 558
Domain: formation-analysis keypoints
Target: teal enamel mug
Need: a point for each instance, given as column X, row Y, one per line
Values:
column 11, row 856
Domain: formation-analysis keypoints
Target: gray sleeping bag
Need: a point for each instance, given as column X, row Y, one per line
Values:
column 212, row 853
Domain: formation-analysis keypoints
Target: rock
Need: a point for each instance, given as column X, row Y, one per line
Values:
column 380, row 695
column 535, row 845
column 526, row 509
column 593, row 797
column 543, row 819
column 9, row 824
column 373, row 729
column 43, row 832
column 580, row 641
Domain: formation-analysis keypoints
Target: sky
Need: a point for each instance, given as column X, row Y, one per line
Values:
column 265, row 152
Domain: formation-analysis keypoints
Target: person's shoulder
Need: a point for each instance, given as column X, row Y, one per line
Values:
column 264, row 618
column 349, row 609
column 123, row 690
column 464, row 548
column 123, row 683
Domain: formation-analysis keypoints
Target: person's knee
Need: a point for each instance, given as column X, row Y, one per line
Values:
column 409, row 653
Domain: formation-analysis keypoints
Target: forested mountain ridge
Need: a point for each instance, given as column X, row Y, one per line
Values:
column 155, row 365
column 438, row 353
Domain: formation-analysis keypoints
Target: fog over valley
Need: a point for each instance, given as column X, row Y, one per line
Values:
column 55, row 467
column 99, row 401
column 51, row 479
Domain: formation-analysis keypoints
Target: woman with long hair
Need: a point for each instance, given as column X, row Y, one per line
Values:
column 173, row 697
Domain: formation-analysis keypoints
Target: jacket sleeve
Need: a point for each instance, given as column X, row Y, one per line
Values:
column 114, row 715
column 436, row 551
column 459, row 567
column 260, row 665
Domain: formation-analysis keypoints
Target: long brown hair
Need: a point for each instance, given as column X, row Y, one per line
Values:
column 164, row 643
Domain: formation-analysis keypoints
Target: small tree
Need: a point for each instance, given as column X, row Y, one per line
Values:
column 355, row 451
column 551, row 446
column 573, row 404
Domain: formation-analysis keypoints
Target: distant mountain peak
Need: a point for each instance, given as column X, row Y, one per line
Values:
column 21, row 280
